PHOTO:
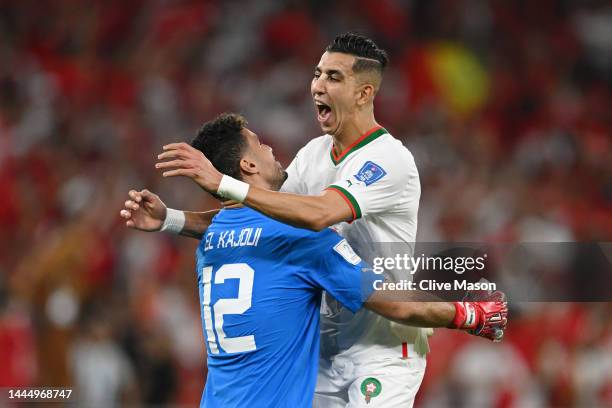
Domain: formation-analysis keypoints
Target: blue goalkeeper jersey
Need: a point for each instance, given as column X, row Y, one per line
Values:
column 260, row 284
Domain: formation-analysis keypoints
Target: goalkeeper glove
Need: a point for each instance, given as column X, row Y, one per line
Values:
column 486, row 318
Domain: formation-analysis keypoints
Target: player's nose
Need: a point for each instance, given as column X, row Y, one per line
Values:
column 317, row 87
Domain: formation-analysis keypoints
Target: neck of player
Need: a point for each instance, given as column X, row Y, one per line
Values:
column 352, row 129
column 257, row 180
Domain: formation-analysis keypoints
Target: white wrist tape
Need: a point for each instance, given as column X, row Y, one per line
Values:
column 233, row 189
column 174, row 222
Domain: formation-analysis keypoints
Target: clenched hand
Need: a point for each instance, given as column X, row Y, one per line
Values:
column 144, row 211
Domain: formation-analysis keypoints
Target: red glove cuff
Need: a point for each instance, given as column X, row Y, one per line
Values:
column 466, row 316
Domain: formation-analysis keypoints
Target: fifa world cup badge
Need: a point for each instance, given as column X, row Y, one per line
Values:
column 370, row 388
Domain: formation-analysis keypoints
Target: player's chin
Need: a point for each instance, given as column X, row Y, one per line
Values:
column 329, row 128
column 280, row 179
column 281, row 171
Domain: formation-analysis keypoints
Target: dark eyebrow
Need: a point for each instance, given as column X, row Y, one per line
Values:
column 330, row 72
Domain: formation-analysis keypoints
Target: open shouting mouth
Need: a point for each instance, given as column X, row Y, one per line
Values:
column 324, row 112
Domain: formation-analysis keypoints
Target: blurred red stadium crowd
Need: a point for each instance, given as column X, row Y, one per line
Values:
column 505, row 106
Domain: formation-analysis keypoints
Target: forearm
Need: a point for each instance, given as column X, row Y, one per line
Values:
column 314, row 212
column 311, row 212
column 413, row 308
column 196, row 223
column 419, row 314
column 426, row 314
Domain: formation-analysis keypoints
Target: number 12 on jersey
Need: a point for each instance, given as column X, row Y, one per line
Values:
column 215, row 334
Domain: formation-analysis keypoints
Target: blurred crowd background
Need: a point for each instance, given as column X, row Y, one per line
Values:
column 506, row 106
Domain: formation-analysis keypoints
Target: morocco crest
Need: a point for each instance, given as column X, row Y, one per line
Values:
column 370, row 388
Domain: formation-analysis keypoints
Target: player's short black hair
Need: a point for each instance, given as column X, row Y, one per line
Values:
column 369, row 55
column 222, row 143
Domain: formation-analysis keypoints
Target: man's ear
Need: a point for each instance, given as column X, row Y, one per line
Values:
column 366, row 94
column 248, row 167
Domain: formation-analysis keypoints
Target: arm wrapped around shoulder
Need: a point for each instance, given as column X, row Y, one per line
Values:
column 487, row 317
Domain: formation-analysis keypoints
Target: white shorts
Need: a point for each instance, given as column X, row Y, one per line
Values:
column 390, row 382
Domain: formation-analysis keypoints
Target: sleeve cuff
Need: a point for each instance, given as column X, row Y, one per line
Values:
column 350, row 200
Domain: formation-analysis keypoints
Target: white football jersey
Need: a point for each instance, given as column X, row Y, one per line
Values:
column 378, row 179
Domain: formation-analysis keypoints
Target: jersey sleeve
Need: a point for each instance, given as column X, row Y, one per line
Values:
column 375, row 185
column 328, row 262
